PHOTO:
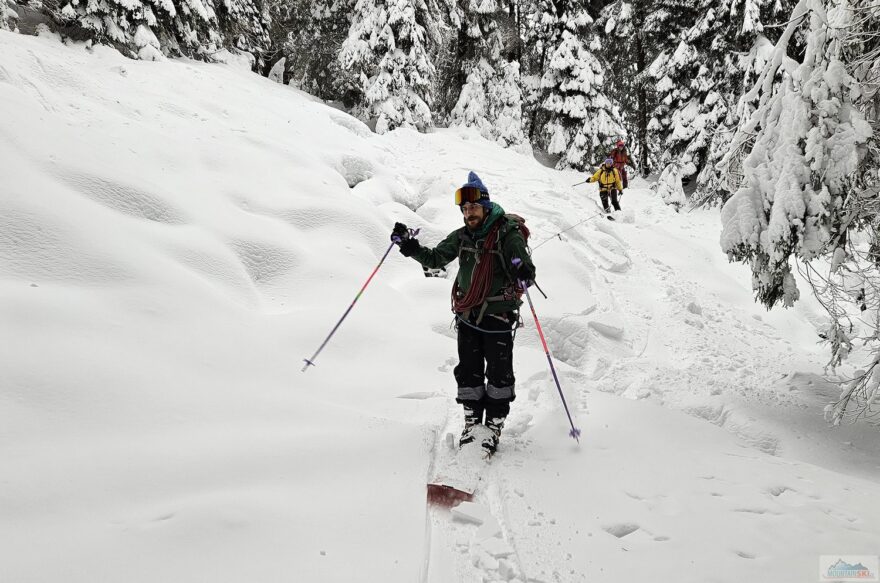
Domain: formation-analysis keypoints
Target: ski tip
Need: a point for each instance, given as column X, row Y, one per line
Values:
column 447, row 496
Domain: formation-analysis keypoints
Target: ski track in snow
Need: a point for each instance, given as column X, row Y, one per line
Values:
column 471, row 542
column 681, row 370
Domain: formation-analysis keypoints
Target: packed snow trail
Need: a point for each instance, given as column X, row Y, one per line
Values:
column 467, row 542
column 176, row 236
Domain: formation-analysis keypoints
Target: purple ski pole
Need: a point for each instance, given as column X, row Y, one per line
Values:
column 311, row 361
column 575, row 433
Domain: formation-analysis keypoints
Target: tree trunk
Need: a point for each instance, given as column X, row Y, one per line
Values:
column 642, row 101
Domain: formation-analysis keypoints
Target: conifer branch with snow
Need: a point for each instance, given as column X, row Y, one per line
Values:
column 699, row 82
column 808, row 193
column 669, row 187
column 153, row 30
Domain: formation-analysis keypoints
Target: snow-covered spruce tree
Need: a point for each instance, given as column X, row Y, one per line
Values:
column 581, row 123
column 472, row 107
column 538, row 30
column 722, row 173
column 506, row 108
column 386, row 51
column 7, row 16
column 445, row 37
column 699, row 82
column 479, row 36
column 491, row 101
column 491, row 94
column 809, row 190
column 669, row 187
column 149, row 30
column 309, row 36
column 633, row 34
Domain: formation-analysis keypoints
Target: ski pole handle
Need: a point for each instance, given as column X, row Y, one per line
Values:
column 516, row 263
column 412, row 233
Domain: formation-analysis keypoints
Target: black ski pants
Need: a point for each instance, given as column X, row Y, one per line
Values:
column 485, row 365
column 604, row 194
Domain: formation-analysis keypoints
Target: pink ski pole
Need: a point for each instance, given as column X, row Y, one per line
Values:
column 575, row 433
column 311, row 361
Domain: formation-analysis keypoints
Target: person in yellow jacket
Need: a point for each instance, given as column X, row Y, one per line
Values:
column 609, row 184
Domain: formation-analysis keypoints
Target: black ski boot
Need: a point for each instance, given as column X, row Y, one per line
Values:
column 490, row 442
column 473, row 416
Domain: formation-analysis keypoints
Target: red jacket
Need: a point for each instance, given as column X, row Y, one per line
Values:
column 620, row 157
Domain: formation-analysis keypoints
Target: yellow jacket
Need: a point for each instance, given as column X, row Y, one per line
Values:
column 608, row 178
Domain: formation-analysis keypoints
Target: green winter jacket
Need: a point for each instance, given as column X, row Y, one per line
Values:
column 512, row 244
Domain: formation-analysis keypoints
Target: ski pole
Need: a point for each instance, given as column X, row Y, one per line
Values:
column 579, row 183
column 575, row 433
column 311, row 361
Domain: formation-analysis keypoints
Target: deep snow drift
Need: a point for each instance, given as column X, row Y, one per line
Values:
column 176, row 237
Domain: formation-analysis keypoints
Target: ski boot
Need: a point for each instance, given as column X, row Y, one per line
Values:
column 472, row 418
column 490, row 441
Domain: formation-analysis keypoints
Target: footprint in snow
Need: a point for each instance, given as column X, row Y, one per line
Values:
column 754, row 511
column 420, row 396
column 621, row 530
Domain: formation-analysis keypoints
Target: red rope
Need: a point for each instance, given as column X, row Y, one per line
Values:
column 481, row 279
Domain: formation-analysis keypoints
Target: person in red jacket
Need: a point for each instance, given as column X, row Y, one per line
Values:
column 621, row 161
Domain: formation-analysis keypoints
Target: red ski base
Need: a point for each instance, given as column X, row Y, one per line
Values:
column 447, row 496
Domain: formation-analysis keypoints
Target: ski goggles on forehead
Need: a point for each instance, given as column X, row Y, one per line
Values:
column 467, row 194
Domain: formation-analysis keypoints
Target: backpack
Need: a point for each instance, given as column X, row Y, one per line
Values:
column 521, row 225
column 603, row 177
column 524, row 231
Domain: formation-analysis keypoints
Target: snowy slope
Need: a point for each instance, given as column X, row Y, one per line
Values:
column 176, row 237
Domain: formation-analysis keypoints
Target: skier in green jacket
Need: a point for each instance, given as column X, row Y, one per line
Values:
column 486, row 301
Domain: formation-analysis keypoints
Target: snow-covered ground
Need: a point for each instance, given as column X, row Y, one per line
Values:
column 176, row 237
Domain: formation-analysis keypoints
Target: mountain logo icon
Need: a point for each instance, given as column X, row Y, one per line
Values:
column 851, row 569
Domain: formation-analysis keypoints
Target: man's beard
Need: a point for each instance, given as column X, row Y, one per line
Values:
column 476, row 225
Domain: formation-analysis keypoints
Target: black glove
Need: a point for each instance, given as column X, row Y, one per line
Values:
column 522, row 272
column 400, row 233
column 409, row 247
